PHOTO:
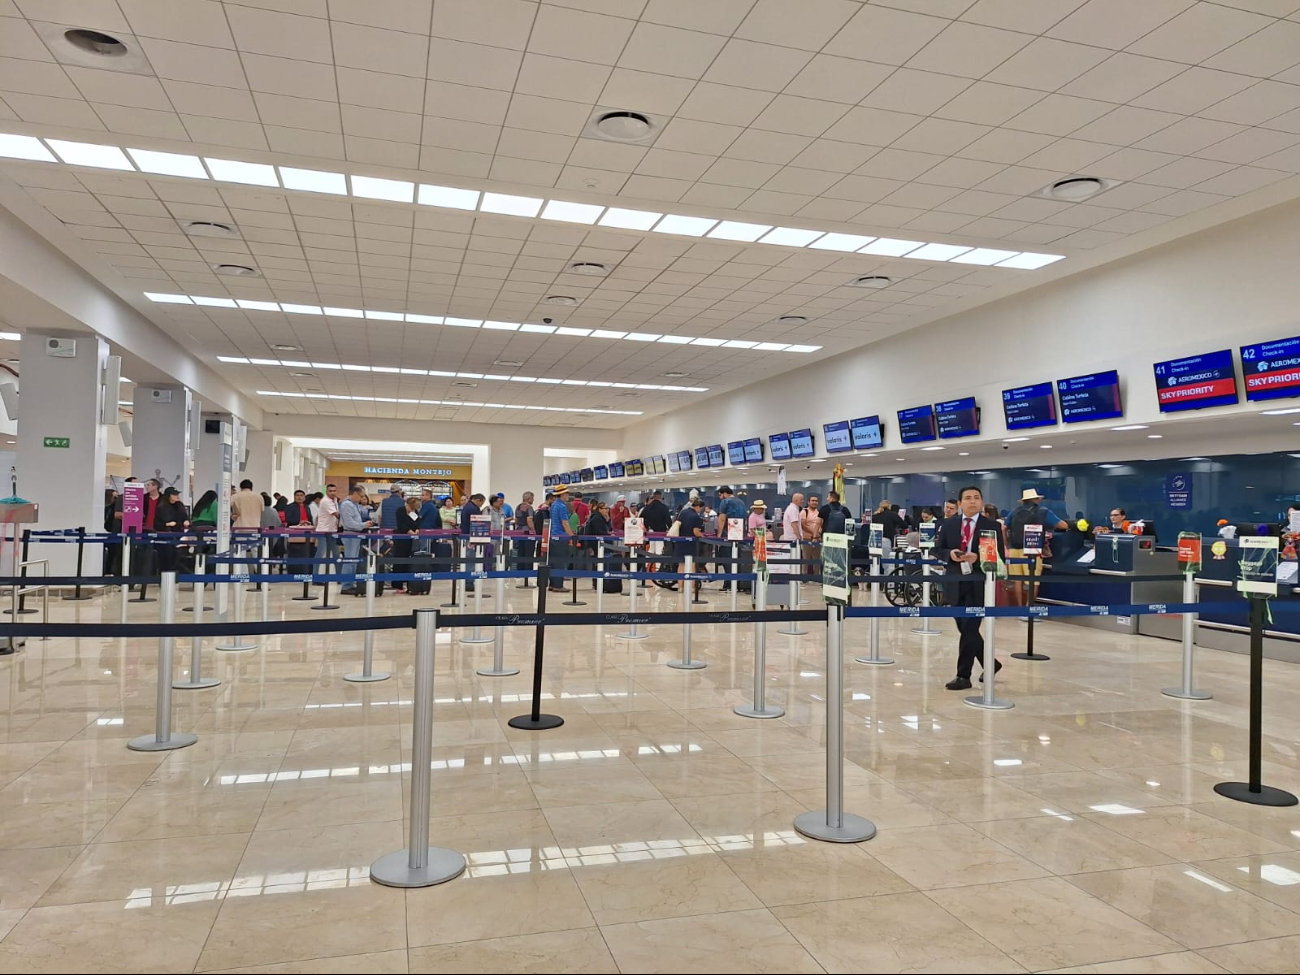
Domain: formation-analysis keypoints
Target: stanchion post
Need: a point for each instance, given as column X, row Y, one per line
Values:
column 793, row 625
column 126, row 571
column 196, row 679
column 264, row 570
column 1029, row 653
column 476, row 635
column 1188, row 691
column 927, row 628
column 1254, row 791
column 420, row 865
column 535, row 720
column 760, row 708
column 573, row 600
column 306, row 596
column 600, row 579
column 633, row 633
column 873, row 629
column 988, row 699
column 164, row 739
column 367, row 673
column 833, row 824
column 237, row 641
column 455, row 601
column 499, row 668
column 686, row 663
column 81, row 545
column 735, row 571
column 330, row 569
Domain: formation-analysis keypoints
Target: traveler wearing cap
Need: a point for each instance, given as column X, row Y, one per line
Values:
column 1030, row 512
column 729, row 506
column 692, row 529
column 618, row 514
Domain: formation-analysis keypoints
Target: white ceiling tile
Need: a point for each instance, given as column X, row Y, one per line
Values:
column 118, row 88
column 1081, row 215
column 457, row 134
column 669, row 50
column 477, row 65
column 1046, row 64
column 1059, row 114
column 807, row 25
column 196, row 21
column 1184, row 202
column 376, row 123
column 19, row 40
column 747, row 64
column 1130, row 163
column 961, row 172
column 1274, row 8
column 284, row 76
column 1257, row 104
column 195, row 63
column 799, row 116
column 1006, row 145
column 360, row 46
column 97, row 14
column 1126, row 125
column 678, row 165
column 282, row 138
column 1116, row 23
column 657, row 188
column 1189, row 135
column 1287, row 160
column 35, row 78
column 969, row 50
column 916, row 92
column 1186, row 172
column 224, row 132
column 584, row 178
column 898, row 164
column 938, row 222
column 47, row 110
column 1122, row 77
column 770, row 147
column 1067, row 156
column 530, row 171
column 887, row 215
column 380, row 152
column 1250, row 145
column 1031, row 209
column 988, row 104
column 940, row 136
column 1272, row 50
column 1243, row 179
column 381, row 90
column 793, row 179
column 500, row 23
column 978, row 203
column 1198, row 33
column 228, row 103
column 826, row 208
column 920, row 195
column 656, row 93
column 579, row 35
column 1128, row 196
column 1030, row 16
column 404, row 15
column 142, row 121
column 717, row 17
column 1090, row 238
column 1133, row 223
column 865, row 189
column 1290, row 122
column 279, row 34
column 561, row 78
column 884, row 35
column 871, row 126
column 991, row 227
column 767, row 201
column 838, row 79
column 606, row 155
column 831, row 156
column 740, row 172
column 721, row 103
column 1193, row 90
column 303, row 113
column 547, row 114
column 1038, row 233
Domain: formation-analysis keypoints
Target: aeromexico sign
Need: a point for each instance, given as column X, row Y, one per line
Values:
column 409, row 471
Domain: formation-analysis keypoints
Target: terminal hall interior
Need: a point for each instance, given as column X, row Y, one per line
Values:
column 649, row 486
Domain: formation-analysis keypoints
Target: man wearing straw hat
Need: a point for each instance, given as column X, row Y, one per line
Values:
column 561, row 540
column 1030, row 512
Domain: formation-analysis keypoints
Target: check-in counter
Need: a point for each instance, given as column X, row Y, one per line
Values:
column 1224, row 626
column 1116, row 566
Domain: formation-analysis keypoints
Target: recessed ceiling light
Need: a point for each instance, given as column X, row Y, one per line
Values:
column 1044, row 446
column 1155, row 436
column 590, row 268
column 676, row 375
column 90, row 154
column 934, row 448
column 1031, row 262
column 676, row 223
column 209, row 228
column 301, row 309
column 937, row 252
column 1075, row 188
column 735, row 230
column 385, row 316
column 840, row 242
column 251, row 305
column 964, row 453
column 463, row 383
column 872, row 281
column 1282, row 412
column 790, row 237
column 168, row 163
column 515, row 206
column 375, row 188
column 424, row 319
column 344, row 312
column 984, row 256
column 571, row 212
column 507, row 362
column 792, row 319
column 286, row 348
column 166, row 299
column 314, row 181
column 623, row 126
column 1132, row 426
column 234, row 171
column 24, row 147
column 629, row 219
column 447, row 196
column 891, row 247
column 803, row 348
column 538, row 329
column 1014, row 439
column 95, row 42
column 771, row 347
column 237, row 270
column 303, row 375
column 214, row 302
column 560, row 300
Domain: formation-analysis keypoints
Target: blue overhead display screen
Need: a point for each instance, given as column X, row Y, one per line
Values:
column 801, row 443
column 715, row 455
column 1091, row 397
column 1029, row 406
column 1271, row 369
column 616, row 469
column 779, row 443
column 674, row 462
column 701, row 457
column 866, row 433
column 1195, row 382
column 916, row 424
column 735, row 452
column 684, row 459
column 957, row 418
column 754, row 451
column 838, row 438
column 602, row 473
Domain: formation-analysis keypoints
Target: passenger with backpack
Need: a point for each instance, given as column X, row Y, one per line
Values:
column 1030, row 512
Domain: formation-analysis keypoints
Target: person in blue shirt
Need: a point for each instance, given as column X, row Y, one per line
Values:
column 692, row 522
column 429, row 518
column 1030, row 512
column 473, row 506
column 508, row 511
column 729, row 506
column 561, row 537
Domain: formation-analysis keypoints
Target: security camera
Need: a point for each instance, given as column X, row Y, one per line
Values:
column 546, row 321
column 1006, row 446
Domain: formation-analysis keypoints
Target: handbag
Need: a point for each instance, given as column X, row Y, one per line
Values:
column 674, row 530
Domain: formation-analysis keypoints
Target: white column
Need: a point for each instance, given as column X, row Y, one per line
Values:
column 207, row 454
column 261, row 460
column 62, row 397
column 160, row 437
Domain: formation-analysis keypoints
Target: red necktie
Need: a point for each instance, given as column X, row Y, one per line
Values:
column 965, row 534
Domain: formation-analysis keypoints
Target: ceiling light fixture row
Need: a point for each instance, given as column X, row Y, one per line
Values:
column 444, row 402
column 396, row 316
column 394, row 370
column 456, row 198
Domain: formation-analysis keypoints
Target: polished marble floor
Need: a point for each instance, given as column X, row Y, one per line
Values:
column 652, row 832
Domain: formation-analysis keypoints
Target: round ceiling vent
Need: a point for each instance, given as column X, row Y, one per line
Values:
column 303, row 375
column 560, row 300
column 1075, row 188
column 676, row 375
column 238, row 271
column 209, row 228
column 588, row 267
column 286, row 348
column 95, row 42
column 623, row 126
column 872, row 281
column 792, row 319
column 507, row 362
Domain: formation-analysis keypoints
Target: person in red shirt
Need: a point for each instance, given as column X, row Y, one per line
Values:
column 618, row 514
column 582, row 508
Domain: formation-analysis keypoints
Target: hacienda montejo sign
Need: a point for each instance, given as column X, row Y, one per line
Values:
column 411, row 471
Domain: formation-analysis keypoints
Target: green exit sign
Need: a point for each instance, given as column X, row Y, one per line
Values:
column 57, row 442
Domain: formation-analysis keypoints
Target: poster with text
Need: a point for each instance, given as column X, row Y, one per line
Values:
column 634, row 531
column 835, row 569
column 735, row 529
column 480, row 529
column 132, row 507
column 1258, row 565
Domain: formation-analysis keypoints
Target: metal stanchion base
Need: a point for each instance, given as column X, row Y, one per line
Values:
column 687, row 664
column 631, row 636
column 237, row 645
column 1266, row 796
column 476, row 639
column 74, row 599
column 448, row 605
column 1183, row 695
column 1030, row 656
column 567, row 602
column 196, row 685
column 150, row 743
column 395, row 870
column 814, row 825
column 795, row 632
column 302, row 599
column 977, row 701
column 927, row 631
column 878, row 661
column 28, row 612
column 326, row 606
column 544, row 722
column 360, row 678
column 138, row 599
column 699, row 602
column 208, row 609
column 493, row 672
column 749, row 711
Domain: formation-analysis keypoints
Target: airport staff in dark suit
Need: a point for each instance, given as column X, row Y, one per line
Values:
column 957, row 544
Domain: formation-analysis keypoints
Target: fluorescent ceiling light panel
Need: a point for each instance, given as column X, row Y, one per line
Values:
column 735, row 230
column 15, row 336
column 90, row 154
column 374, row 188
column 540, row 329
column 232, row 358
column 676, row 339
column 891, row 247
column 214, row 302
column 840, row 242
column 169, row 163
column 571, row 212
column 424, row 319
column 1031, row 262
column 314, row 181
column 983, row 255
column 453, row 197
column 790, row 237
column 710, row 342
column 385, row 316
column 167, row 299
column 937, row 252
column 502, row 326
column 301, row 309
column 803, row 348
column 739, row 344
column 565, row 330
column 345, row 312
column 515, row 206
column 642, row 337
column 629, row 219
column 234, row 171
column 24, row 147
column 602, row 333
column 675, row 223
column 463, row 322
column 771, row 347
column 257, row 305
